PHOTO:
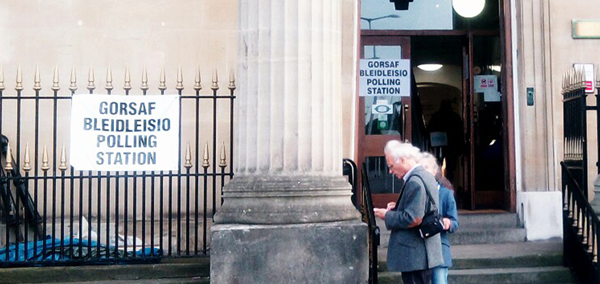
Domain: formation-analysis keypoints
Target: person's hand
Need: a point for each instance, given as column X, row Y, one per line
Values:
column 391, row 206
column 447, row 223
column 380, row 213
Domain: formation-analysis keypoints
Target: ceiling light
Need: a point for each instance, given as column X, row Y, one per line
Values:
column 496, row 68
column 468, row 8
column 430, row 67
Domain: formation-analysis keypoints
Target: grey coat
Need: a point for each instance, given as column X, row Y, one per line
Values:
column 407, row 251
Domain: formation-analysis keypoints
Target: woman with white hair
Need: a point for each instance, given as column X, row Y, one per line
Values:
column 448, row 211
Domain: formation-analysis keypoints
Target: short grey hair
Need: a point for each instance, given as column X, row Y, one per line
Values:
column 398, row 150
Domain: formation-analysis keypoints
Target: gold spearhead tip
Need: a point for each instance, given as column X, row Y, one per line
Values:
column 198, row 80
column 144, row 86
column 36, row 79
column 109, row 85
column 231, row 80
column 9, row 165
column 1, row 78
column 223, row 158
column 55, row 86
column 215, row 80
column 45, row 165
column 19, row 85
column 91, row 85
column 127, row 85
column 162, row 85
column 27, row 160
column 73, row 85
column 179, row 85
column 63, row 159
column 188, row 157
column 205, row 162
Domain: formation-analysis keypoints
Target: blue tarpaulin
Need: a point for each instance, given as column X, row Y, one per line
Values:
column 68, row 249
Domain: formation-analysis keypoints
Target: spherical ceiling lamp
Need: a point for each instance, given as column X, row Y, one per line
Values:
column 468, row 8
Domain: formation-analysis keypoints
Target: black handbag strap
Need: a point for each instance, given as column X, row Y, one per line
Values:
column 427, row 191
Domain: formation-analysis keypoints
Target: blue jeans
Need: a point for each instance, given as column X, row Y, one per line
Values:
column 440, row 275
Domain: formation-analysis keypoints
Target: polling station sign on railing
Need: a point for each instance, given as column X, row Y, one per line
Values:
column 384, row 77
column 125, row 133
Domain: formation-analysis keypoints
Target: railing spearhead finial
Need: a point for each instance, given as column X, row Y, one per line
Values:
column 91, row 85
column 205, row 162
column 215, row 81
column 144, row 86
column 73, row 85
column 127, row 85
column 597, row 79
column 45, row 165
column 188, row 157
column 19, row 85
column 1, row 78
column 223, row 158
column 36, row 79
column 9, row 164
column 162, row 85
column 27, row 160
column 109, row 79
column 55, row 86
column 231, row 80
column 179, row 85
column 198, row 80
column 63, row 159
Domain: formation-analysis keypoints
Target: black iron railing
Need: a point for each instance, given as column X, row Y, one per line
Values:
column 52, row 214
column 580, row 230
column 365, row 206
column 580, row 222
column 369, row 218
column 350, row 170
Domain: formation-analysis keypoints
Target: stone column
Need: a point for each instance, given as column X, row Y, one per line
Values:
column 287, row 215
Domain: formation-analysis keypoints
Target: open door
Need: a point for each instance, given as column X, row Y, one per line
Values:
column 375, row 130
column 486, row 117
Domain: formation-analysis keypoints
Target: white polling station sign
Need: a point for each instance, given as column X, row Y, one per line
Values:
column 124, row 133
column 384, row 77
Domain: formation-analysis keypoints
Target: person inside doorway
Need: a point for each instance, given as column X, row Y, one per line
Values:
column 448, row 124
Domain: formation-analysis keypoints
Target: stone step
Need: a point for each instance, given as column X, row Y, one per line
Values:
column 510, row 255
column 466, row 236
column 547, row 275
column 477, row 220
column 491, row 235
column 200, row 280
column 175, row 270
column 487, row 220
column 477, row 228
column 553, row 274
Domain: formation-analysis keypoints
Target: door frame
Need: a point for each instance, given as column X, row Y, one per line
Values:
column 372, row 145
column 506, row 90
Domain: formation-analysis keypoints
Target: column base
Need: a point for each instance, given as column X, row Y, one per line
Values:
column 286, row 199
column 334, row 252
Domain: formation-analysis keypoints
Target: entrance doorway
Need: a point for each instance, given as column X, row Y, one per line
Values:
column 462, row 108
column 455, row 112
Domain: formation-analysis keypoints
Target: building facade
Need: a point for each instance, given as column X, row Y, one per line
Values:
column 499, row 83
